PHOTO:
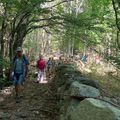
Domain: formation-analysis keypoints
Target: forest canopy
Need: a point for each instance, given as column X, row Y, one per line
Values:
column 67, row 25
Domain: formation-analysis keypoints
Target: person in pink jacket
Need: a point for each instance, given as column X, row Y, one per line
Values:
column 41, row 65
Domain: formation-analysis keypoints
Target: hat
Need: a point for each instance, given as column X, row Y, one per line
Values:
column 19, row 49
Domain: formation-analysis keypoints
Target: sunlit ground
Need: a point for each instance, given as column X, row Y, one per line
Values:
column 44, row 82
column 5, row 93
column 8, row 91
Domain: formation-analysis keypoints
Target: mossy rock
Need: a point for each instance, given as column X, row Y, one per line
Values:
column 78, row 90
column 91, row 83
column 86, row 110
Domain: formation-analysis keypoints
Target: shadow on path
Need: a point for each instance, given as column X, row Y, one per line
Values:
column 36, row 104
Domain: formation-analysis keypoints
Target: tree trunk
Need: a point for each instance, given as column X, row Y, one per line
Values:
column 10, row 50
column 118, row 39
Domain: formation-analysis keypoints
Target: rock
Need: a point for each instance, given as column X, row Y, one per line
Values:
column 72, row 106
column 4, row 115
column 69, row 79
column 100, row 103
column 93, row 109
column 106, row 99
column 82, row 80
column 91, row 83
column 114, row 101
column 86, row 81
column 79, row 78
column 82, row 91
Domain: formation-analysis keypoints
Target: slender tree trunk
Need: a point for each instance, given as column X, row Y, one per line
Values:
column 116, row 7
column 118, row 39
column 10, row 50
column 2, row 33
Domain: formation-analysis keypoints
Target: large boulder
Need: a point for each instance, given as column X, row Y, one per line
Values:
column 83, row 91
column 86, row 81
column 81, row 80
column 91, row 83
column 73, row 103
column 94, row 109
column 68, row 108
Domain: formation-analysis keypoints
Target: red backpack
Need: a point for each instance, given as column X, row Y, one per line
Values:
column 41, row 64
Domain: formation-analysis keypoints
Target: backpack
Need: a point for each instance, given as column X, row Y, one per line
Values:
column 25, row 60
column 41, row 64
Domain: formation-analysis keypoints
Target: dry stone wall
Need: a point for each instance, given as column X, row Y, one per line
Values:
column 80, row 98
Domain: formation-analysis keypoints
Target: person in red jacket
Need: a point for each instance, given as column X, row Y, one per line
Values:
column 41, row 65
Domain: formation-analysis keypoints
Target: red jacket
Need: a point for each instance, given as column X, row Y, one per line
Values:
column 41, row 64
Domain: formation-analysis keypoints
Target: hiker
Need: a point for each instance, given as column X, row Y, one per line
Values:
column 41, row 65
column 84, row 58
column 50, row 65
column 19, row 71
column 60, row 61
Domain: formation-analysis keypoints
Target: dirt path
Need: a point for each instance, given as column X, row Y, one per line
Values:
column 37, row 104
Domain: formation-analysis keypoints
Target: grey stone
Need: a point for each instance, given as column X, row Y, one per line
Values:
column 100, row 103
column 91, row 83
column 83, row 91
column 86, row 81
column 114, row 100
column 72, row 106
column 79, row 78
column 93, row 109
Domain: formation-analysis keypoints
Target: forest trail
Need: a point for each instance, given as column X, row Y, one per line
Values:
column 36, row 104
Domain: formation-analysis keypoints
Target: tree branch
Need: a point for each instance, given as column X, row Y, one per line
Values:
column 37, row 26
column 59, row 3
column 46, row 19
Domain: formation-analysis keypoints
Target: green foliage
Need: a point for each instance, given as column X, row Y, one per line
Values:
column 4, row 63
column 115, row 60
column 4, row 82
column 89, row 27
column 4, row 68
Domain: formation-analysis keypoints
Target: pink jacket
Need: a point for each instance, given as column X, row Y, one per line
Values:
column 41, row 64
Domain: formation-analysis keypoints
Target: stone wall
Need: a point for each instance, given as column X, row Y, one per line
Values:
column 80, row 98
